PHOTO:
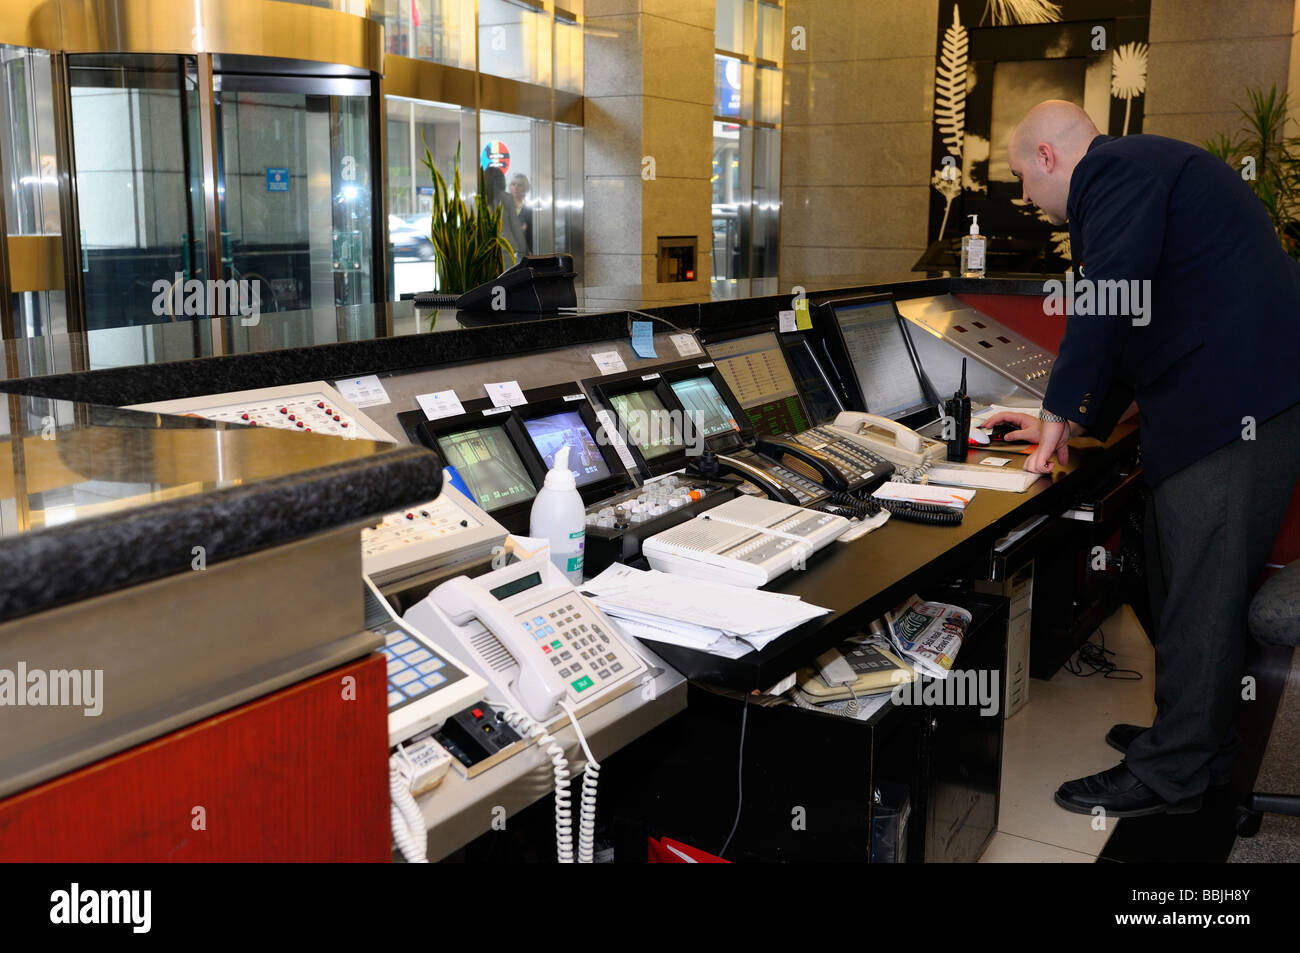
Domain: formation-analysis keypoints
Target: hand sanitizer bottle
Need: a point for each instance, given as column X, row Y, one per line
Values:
column 972, row 250
column 560, row 517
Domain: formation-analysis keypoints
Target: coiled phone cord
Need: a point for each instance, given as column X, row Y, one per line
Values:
column 931, row 513
column 409, row 833
column 587, row 804
column 563, row 813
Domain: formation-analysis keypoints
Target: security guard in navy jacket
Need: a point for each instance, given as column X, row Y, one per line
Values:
column 1183, row 298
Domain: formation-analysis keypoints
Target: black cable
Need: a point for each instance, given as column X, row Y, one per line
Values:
column 740, row 776
column 1094, row 657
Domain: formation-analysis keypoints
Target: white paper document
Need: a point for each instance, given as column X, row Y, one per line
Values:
column 444, row 403
column 363, row 391
column 955, row 497
column 711, row 617
column 505, row 393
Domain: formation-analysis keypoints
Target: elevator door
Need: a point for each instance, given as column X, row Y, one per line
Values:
column 294, row 183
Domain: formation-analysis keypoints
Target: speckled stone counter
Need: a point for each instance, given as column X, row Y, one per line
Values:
column 94, row 499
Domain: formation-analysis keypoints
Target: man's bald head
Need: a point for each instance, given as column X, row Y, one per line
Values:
column 1043, row 150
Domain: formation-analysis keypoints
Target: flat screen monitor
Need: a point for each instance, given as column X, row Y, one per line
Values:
column 882, row 361
column 818, row 394
column 755, row 369
column 647, row 422
column 485, row 462
column 706, row 407
column 567, row 429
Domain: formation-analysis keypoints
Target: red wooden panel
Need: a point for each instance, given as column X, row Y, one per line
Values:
column 300, row 775
column 1022, row 314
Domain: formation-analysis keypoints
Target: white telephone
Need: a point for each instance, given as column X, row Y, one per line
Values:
column 533, row 636
column 898, row 444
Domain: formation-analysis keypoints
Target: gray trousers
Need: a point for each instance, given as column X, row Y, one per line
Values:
column 1209, row 530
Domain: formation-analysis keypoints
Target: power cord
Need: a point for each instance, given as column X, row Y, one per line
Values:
column 1093, row 656
column 409, row 833
column 740, row 777
column 587, row 810
column 528, row 728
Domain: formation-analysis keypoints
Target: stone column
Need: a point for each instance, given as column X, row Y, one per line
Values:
column 648, row 146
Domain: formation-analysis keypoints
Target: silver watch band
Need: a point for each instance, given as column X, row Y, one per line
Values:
column 1047, row 416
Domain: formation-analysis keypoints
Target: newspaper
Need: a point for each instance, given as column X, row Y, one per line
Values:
column 929, row 635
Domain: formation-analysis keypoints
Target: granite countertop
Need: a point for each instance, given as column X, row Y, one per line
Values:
column 94, row 499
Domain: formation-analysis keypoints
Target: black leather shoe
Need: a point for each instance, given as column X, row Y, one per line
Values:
column 1121, row 736
column 1120, row 793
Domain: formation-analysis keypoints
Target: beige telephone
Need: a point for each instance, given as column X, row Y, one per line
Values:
column 898, row 444
column 854, row 669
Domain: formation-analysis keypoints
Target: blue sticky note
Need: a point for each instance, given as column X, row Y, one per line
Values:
column 643, row 339
column 277, row 180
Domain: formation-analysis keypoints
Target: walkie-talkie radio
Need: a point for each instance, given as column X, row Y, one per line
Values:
column 958, row 410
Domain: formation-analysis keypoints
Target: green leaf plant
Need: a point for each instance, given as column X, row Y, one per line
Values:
column 467, row 242
column 1268, row 160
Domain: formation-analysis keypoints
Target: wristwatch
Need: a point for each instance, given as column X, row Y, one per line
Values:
column 1046, row 416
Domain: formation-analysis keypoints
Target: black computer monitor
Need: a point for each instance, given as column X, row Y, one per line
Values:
column 566, row 428
column 884, row 360
column 707, row 408
column 819, row 393
column 755, row 368
column 649, row 425
column 484, row 464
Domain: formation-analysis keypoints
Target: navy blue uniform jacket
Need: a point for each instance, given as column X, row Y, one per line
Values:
column 1223, row 338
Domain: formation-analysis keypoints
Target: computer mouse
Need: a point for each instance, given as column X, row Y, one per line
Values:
column 999, row 431
column 979, row 436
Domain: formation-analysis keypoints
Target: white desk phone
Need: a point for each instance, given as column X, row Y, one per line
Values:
column 532, row 635
column 545, row 649
column 898, row 444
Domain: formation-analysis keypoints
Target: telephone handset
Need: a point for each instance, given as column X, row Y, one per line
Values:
column 533, row 636
column 828, row 473
column 896, row 443
column 777, row 482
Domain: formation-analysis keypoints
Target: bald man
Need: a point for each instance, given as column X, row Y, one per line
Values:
column 1213, row 359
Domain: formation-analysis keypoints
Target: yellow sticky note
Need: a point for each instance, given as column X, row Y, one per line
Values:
column 802, row 319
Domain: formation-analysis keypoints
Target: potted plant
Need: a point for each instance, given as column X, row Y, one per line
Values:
column 467, row 242
column 1268, row 160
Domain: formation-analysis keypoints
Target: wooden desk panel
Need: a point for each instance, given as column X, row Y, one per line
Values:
column 300, row 775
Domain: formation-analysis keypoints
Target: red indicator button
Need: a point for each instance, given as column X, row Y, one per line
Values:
column 477, row 713
column 300, row 423
column 284, row 410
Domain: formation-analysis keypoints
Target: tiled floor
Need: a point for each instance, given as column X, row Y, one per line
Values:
column 1058, row 736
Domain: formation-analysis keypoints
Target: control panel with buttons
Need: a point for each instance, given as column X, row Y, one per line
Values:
column 311, row 408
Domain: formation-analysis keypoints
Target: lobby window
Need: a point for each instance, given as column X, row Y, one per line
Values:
column 441, row 31
column 28, row 176
column 747, row 110
column 514, row 40
column 409, row 125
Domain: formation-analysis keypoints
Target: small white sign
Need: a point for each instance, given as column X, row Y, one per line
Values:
column 444, row 403
column 787, row 321
column 363, row 391
column 686, row 344
column 505, row 393
column 609, row 362
column 995, row 461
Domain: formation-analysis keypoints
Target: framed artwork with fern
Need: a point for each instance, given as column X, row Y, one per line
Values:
column 995, row 59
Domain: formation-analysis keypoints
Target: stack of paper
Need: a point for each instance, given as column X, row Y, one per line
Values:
column 708, row 616
column 925, row 493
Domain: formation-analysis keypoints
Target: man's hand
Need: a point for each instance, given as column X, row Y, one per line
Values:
column 1029, row 426
column 1054, row 441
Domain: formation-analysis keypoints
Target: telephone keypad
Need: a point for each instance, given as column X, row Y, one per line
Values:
column 560, row 626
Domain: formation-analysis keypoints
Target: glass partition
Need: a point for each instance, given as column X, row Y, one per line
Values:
column 409, row 127
column 514, row 42
column 438, row 30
